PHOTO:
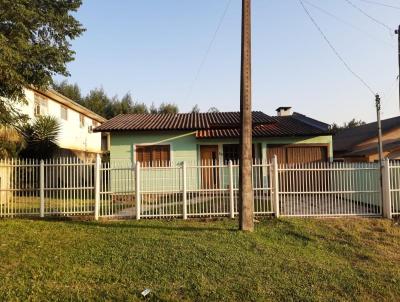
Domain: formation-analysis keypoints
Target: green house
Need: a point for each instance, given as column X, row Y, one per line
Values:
column 155, row 139
column 163, row 141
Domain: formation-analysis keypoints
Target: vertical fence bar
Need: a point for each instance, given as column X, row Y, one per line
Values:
column 137, row 190
column 275, row 187
column 97, row 187
column 386, row 203
column 231, row 193
column 184, row 176
column 41, row 188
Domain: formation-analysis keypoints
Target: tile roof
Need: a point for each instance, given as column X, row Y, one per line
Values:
column 282, row 126
column 347, row 139
column 216, row 125
column 178, row 121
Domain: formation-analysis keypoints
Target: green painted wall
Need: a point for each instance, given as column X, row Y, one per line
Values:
column 185, row 146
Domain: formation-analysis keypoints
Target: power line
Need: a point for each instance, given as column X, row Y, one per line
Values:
column 381, row 4
column 204, row 59
column 336, row 52
column 370, row 17
column 365, row 32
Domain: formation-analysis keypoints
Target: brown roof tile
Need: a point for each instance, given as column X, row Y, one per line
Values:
column 179, row 121
column 282, row 126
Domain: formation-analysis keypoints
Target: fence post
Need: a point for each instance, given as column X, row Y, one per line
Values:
column 275, row 186
column 97, row 172
column 41, row 183
column 386, row 202
column 137, row 190
column 184, row 190
column 231, row 192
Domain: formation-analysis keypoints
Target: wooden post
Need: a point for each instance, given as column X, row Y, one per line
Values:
column 137, row 190
column 397, row 32
column 97, row 172
column 386, row 203
column 275, row 186
column 184, row 191
column 231, row 192
column 246, row 208
column 41, row 172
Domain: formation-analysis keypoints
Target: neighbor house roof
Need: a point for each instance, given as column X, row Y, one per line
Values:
column 347, row 139
column 373, row 149
column 62, row 99
column 213, row 125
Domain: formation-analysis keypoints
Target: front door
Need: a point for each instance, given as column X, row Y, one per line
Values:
column 209, row 174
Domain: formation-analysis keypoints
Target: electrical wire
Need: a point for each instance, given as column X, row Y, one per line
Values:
column 370, row 17
column 365, row 32
column 210, row 45
column 336, row 52
column 380, row 4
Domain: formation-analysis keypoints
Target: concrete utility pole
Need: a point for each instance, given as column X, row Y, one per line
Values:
column 380, row 148
column 397, row 32
column 246, row 205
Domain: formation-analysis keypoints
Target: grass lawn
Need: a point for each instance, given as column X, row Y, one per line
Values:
column 332, row 259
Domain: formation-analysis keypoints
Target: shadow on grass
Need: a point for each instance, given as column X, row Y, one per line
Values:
column 169, row 225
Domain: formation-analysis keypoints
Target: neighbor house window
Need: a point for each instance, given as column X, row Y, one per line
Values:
column 40, row 105
column 64, row 113
column 153, row 156
column 81, row 120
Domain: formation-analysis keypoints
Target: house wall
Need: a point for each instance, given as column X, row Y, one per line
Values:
column 72, row 136
column 185, row 147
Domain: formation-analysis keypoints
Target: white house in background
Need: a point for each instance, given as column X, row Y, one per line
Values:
column 77, row 122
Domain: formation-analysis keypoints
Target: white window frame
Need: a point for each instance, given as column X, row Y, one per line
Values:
column 41, row 105
column 62, row 107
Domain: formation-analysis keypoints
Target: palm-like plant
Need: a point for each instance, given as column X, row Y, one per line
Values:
column 41, row 137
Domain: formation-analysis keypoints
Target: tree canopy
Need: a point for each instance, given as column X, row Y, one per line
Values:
column 35, row 45
column 99, row 102
column 335, row 128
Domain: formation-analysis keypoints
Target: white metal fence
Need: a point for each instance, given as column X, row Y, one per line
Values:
column 70, row 187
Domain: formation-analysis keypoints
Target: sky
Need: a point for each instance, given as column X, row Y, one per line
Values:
column 154, row 49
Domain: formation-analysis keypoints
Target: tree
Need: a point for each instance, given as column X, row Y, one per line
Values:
column 97, row 101
column 335, row 128
column 123, row 106
column 195, row 109
column 11, row 142
column 168, row 108
column 213, row 110
column 153, row 109
column 35, row 45
column 72, row 91
column 41, row 137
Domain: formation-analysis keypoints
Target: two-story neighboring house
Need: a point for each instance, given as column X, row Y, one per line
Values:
column 77, row 123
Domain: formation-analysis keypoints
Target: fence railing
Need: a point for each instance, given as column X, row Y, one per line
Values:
column 70, row 187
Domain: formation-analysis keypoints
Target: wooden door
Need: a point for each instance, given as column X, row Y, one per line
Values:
column 209, row 175
column 293, row 154
column 295, row 181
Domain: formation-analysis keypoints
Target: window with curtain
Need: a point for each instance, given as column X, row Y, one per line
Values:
column 40, row 105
